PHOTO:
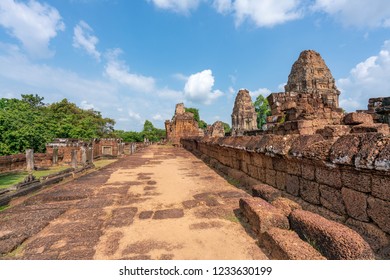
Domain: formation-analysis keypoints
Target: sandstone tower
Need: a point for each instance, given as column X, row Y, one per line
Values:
column 182, row 125
column 310, row 101
column 244, row 116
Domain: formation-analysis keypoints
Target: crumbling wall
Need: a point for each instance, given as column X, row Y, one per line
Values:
column 346, row 180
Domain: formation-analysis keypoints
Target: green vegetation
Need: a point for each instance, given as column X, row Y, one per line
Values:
column 101, row 163
column 28, row 123
column 148, row 132
column 9, row 179
column 201, row 123
column 2, row 208
column 262, row 109
column 226, row 127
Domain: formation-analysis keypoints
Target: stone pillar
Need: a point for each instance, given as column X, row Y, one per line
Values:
column 74, row 159
column 83, row 155
column 55, row 155
column 89, row 155
column 30, row 159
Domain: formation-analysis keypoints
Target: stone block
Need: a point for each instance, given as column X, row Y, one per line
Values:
column 308, row 171
column 265, row 192
column 333, row 240
column 270, row 177
column 355, row 204
column 332, row 199
column 333, row 131
column 293, row 168
column 292, row 184
column 262, row 174
column 309, row 191
column 381, row 187
column 279, row 164
column 356, row 180
column 371, row 128
column 253, row 171
column 257, row 159
column 281, row 180
column 285, row 205
column 281, row 244
column 262, row 215
column 358, row 118
column 330, row 177
column 379, row 211
column 374, row 236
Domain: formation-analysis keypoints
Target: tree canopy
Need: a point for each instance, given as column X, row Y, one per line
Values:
column 201, row 123
column 28, row 123
column 262, row 109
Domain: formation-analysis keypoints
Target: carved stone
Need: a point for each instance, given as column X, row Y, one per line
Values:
column 244, row 117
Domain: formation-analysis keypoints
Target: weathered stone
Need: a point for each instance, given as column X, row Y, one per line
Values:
column 379, row 211
column 282, row 244
column 330, row 177
column 334, row 241
column 261, row 215
column 309, row 191
column 308, row 171
column 293, row 167
column 371, row 233
column 270, row 177
column 358, row 118
column 332, row 199
column 381, row 187
column 292, row 185
column 382, row 161
column 265, row 192
column 281, row 180
column 215, row 130
column 334, row 131
column 356, row 180
column 372, row 128
column 182, row 125
column 285, row 205
column 244, row 117
column 355, row 204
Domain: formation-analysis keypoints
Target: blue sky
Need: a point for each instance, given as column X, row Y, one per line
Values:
column 134, row 60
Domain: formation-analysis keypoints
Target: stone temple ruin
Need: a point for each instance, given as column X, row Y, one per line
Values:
column 311, row 156
column 244, row 117
column 182, row 125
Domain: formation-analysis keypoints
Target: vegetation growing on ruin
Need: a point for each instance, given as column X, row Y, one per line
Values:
column 262, row 109
column 201, row 123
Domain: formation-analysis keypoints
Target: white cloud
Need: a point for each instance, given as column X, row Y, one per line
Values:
column 83, row 39
column 158, row 117
column 199, row 88
column 178, row 6
column 266, row 13
column 32, row 23
column 263, row 91
column 117, row 70
column 367, row 79
column 223, row 6
column 87, row 106
column 167, row 93
column 360, row 13
column 134, row 116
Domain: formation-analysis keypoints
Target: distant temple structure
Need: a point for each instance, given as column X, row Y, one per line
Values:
column 182, row 125
column 244, row 117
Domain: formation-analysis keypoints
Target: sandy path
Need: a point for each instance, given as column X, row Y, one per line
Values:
column 162, row 203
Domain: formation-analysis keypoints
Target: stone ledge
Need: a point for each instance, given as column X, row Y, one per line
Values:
column 282, row 244
column 261, row 215
column 335, row 241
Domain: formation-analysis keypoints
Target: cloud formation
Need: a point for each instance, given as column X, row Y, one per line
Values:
column 83, row 39
column 359, row 13
column 118, row 71
column 32, row 23
column 367, row 79
column 199, row 88
column 178, row 6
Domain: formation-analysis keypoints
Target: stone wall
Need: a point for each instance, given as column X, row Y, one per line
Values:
column 18, row 162
column 346, row 180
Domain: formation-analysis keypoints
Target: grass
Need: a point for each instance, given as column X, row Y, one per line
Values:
column 232, row 218
column 2, row 208
column 101, row 163
column 9, row 179
column 233, row 182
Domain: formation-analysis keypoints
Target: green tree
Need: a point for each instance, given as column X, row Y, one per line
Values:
column 262, row 109
column 152, row 133
column 226, row 127
column 129, row 136
column 201, row 123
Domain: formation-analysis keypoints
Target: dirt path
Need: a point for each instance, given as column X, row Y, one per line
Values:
column 162, row 203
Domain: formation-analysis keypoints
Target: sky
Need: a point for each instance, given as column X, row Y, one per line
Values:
column 135, row 60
